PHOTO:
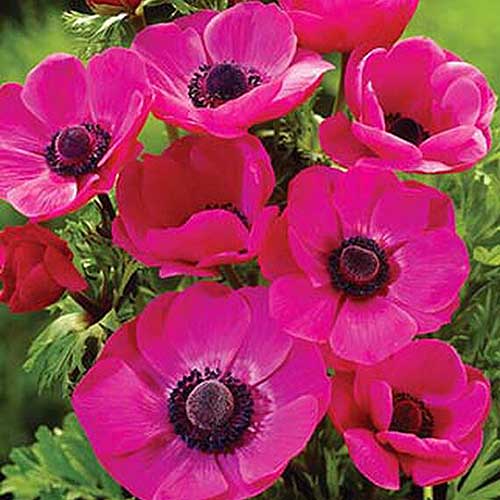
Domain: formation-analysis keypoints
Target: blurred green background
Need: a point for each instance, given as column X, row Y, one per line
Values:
column 29, row 32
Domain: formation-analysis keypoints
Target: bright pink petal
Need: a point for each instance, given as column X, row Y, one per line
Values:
column 197, row 21
column 427, row 461
column 42, row 196
column 302, row 310
column 432, row 269
column 311, row 211
column 118, row 411
column 433, row 321
column 205, row 234
column 173, row 56
column 227, row 121
column 172, row 468
column 344, row 411
column 391, row 148
column 456, row 148
column 356, row 194
column 462, row 102
column 312, row 262
column 282, row 434
column 458, row 419
column 19, row 128
column 198, row 476
column 116, row 78
column 371, row 113
column 401, row 77
column 298, row 83
column 338, row 141
column 253, row 35
column 275, row 257
column 302, row 374
column 265, row 346
column 19, row 167
column 123, row 345
column 210, row 337
column 56, row 91
column 380, row 404
column 373, row 461
column 400, row 215
column 442, row 212
column 430, row 370
column 237, row 486
column 367, row 331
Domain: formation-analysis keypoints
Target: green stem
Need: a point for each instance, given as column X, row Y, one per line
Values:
column 107, row 205
column 93, row 309
column 231, row 276
column 338, row 103
column 428, row 493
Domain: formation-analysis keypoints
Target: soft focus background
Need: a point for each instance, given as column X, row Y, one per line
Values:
column 31, row 29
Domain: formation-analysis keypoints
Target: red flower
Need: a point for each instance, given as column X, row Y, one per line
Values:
column 35, row 268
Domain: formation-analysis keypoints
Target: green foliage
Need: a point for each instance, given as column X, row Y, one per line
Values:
column 488, row 256
column 483, row 480
column 60, row 465
column 94, row 33
column 63, row 351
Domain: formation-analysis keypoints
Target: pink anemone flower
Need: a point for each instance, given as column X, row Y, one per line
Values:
column 421, row 410
column 65, row 135
column 199, row 205
column 416, row 107
column 224, row 72
column 202, row 397
column 343, row 25
column 363, row 261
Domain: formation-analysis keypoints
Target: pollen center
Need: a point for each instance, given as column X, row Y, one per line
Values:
column 226, row 82
column 210, row 411
column 77, row 150
column 213, row 85
column 73, row 143
column 210, row 405
column 411, row 416
column 406, row 128
column 358, row 267
column 358, row 264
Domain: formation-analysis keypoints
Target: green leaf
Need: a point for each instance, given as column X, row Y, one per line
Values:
column 59, row 465
column 488, row 256
column 94, row 33
column 57, row 356
column 483, row 480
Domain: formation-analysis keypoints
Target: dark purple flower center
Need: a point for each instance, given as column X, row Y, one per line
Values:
column 358, row 267
column 213, row 85
column 406, row 128
column 210, row 411
column 210, row 405
column 77, row 150
column 411, row 416
column 229, row 207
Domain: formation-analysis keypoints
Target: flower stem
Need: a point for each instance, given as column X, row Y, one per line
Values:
column 339, row 101
column 88, row 305
column 231, row 276
column 107, row 205
column 428, row 493
column 107, row 215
